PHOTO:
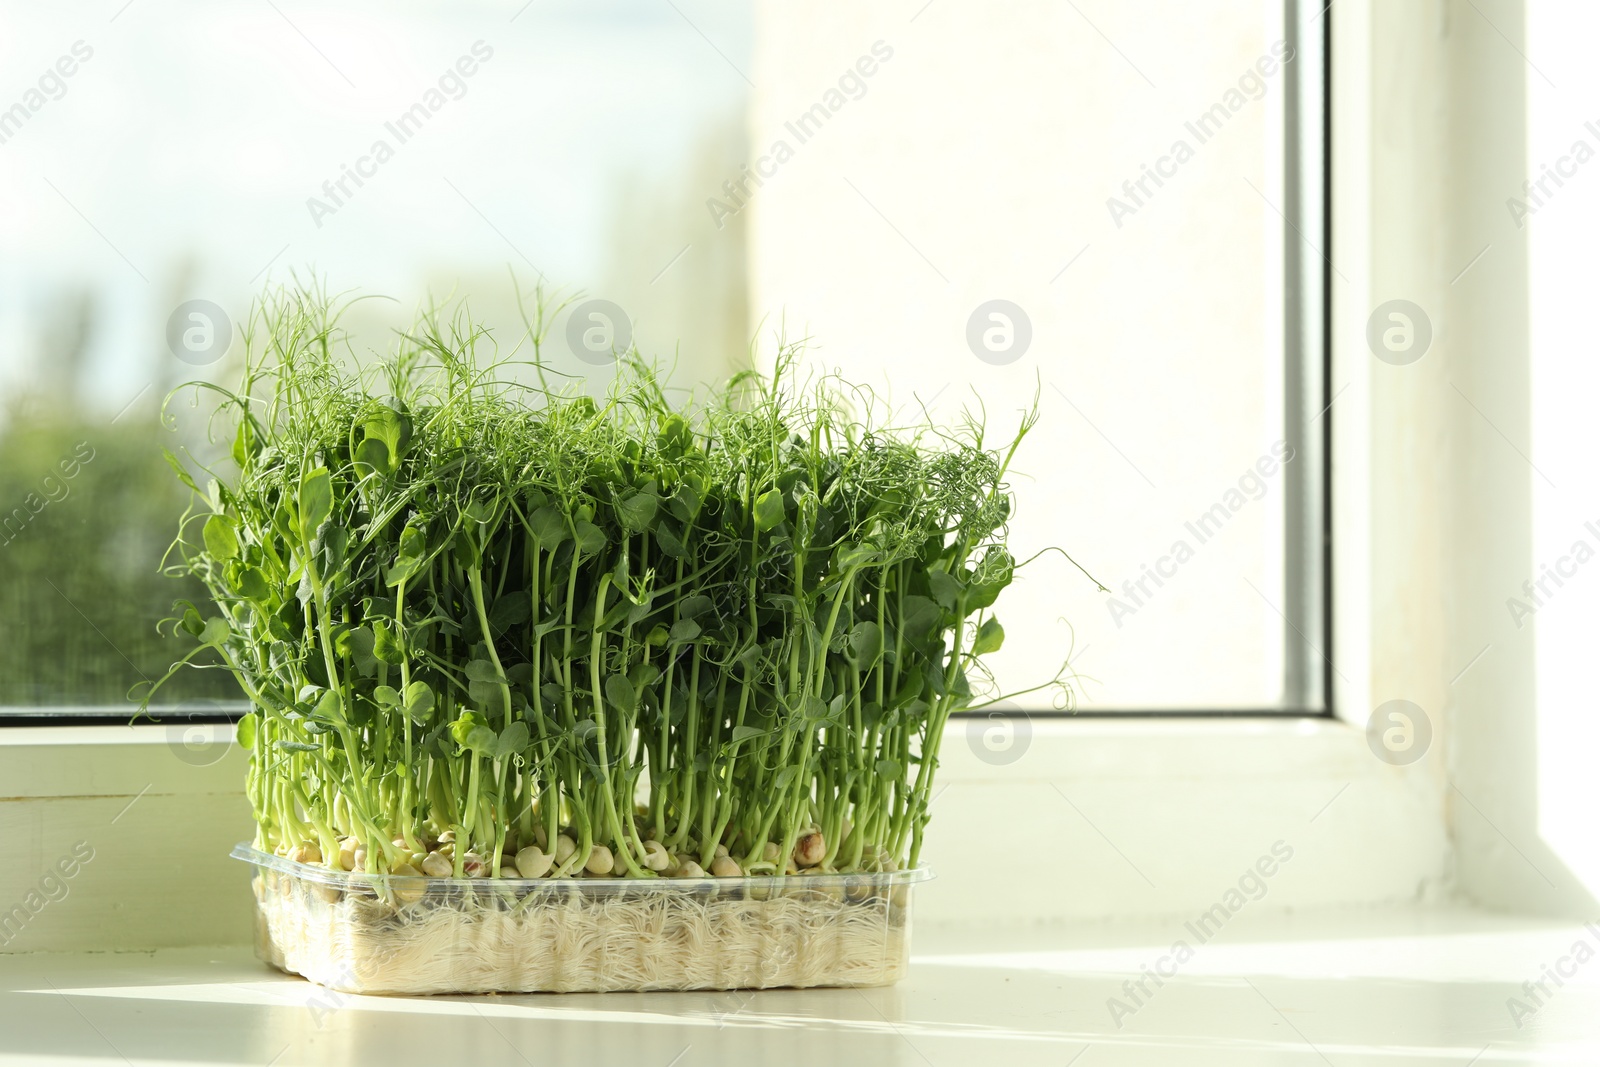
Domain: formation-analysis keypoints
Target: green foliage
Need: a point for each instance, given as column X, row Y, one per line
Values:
column 86, row 513
column 460, row 603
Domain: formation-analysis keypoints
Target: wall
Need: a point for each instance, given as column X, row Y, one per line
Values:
column 144, row 816
column 1450, row 522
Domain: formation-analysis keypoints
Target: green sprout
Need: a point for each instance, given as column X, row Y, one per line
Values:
column 484, row 624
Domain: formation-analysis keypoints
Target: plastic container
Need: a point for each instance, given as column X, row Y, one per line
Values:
column 364, row 933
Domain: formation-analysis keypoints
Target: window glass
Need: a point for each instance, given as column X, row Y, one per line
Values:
column 964, row 207
column 195, row 152
column 1080, row 201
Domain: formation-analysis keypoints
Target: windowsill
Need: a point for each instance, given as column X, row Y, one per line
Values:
column 1097, row 818
column 111, row 761
column 1421, row 987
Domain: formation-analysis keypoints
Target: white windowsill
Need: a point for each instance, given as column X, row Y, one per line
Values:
column 111, row 761
column 1417, row 988
column 1099, row 818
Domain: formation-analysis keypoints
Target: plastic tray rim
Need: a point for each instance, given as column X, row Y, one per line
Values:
column 347, row 879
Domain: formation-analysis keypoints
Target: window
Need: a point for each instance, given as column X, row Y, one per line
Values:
column 1164, row 301
column 198, row 153
column 1121, row 207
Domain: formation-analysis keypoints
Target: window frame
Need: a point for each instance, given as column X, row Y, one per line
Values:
column 1308, row 689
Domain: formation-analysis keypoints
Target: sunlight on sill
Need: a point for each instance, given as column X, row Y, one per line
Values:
column 537, row 1008
column 1459, row 957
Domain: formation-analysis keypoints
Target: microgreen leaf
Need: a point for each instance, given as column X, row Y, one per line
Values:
column 316, row 501
column 866, row 642
column 330, row 707
column 510, row 610
column 215, row 631
column 385, row 645
column 620, row 693
column 481, row 670
column 591, row 538
column 473, row 733
column 638, row 510
column 177, row 468
column 252, row 585
column 512, row 740
column 670, row 542
column 419, row 699
column 357, row 643
column 548, row 525
column 946, row 589
column 221, row 541
column 990, row 637
column 768, row 510
column 372, row 456
column 747, row 733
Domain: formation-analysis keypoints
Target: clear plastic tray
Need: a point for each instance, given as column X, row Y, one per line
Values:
column 367, row 933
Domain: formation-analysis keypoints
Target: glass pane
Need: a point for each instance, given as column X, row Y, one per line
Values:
column 720, row 171
column 197, row 152
column 1106, row 179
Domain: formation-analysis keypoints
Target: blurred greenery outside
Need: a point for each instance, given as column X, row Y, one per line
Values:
column 81, row 588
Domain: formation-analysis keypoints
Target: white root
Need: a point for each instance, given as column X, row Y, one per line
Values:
column 833, row 891
column 564, row 939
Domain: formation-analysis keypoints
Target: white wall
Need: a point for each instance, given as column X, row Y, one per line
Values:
column 1452, row 530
